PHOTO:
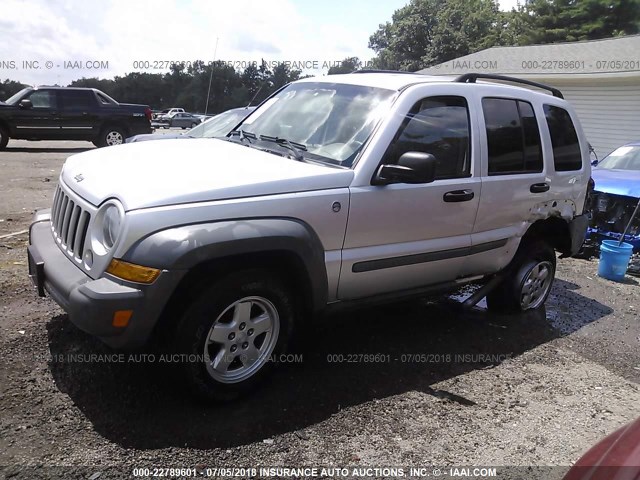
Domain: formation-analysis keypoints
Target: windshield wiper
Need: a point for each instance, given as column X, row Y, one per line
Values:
column 295, row 147
column 243, row 134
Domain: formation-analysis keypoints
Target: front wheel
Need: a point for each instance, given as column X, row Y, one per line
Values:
column 529, row 281
column 234, row 332
column 4, row 138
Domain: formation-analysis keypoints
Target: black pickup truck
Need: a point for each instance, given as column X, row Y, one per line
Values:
column 59, row 113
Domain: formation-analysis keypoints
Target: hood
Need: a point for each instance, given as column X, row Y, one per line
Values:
column 143, row 137
column 150, row 174
column 617, row 182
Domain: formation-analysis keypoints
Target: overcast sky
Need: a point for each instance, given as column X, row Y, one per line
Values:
column 123, row 35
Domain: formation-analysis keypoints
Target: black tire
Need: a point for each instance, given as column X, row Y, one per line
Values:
column 533, row 259
column 193, row 124
column 111, row 135
column 222, row 305
column 4, row 138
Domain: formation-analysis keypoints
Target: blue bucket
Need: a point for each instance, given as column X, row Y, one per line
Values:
column 614, row 259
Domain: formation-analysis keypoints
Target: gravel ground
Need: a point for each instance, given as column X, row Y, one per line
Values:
column 454, row 388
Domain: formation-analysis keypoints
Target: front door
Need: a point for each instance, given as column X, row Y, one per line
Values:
column 41, row 121
column 405, row 236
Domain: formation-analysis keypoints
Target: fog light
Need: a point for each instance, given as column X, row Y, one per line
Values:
column 132, row 272
column 88, row 258
column 121, row 318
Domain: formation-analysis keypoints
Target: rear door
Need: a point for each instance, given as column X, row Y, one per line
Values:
column 514, row 179
column 403, row 236
column 78, row 114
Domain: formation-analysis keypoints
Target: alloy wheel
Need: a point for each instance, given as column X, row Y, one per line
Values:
column 241, row 340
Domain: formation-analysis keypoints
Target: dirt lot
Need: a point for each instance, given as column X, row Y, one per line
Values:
column 530, row 390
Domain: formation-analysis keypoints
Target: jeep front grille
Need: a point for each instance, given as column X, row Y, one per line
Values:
column 69, row 223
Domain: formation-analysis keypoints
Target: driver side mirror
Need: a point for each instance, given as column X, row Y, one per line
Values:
column 594, row 163
column 26, row 104
column 412, row 168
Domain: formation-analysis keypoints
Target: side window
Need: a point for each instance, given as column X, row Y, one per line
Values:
column 513, row 138
column 43, row 99
column 439, row 126
column 564, row 139
column 103, row 100
column 75, row 100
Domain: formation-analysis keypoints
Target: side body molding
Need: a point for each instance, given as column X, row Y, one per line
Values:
column 184, row 247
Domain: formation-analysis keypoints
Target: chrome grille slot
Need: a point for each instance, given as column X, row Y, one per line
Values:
column 69, row 223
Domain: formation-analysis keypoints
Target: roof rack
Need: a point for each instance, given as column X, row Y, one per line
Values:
column 472, row 77
column 386, row 71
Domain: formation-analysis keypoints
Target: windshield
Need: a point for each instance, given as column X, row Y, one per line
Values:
column 331, row 120
column 623, row 158
column 14, row 99
column 221, row 124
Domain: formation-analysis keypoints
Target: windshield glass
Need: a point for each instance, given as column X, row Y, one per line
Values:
column 331, row 120
column 14, row 98
column 221, row 124
column 623, row 158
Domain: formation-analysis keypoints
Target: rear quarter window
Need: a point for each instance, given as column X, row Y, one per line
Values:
column 564, row 139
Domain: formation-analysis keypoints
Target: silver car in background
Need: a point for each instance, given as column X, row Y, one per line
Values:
column 183, row 120
column 218, row 126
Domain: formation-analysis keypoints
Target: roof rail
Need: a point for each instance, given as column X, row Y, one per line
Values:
column 385, row 71
column 472, row 77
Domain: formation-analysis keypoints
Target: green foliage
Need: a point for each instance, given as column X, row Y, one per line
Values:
column 571, row 20
column 428, row 32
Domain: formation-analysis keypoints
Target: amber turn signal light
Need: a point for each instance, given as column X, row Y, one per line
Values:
column 121, row 318
column 132, row 272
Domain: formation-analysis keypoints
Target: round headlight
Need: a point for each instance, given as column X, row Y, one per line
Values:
column 111, row 223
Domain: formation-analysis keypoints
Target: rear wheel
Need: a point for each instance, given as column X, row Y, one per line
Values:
column 4, row 138
column 232, row 333
column 111, row 136
column 193, row 124
column 529, row 281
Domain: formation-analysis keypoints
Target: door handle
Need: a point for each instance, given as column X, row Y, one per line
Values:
column 539, row 188
column 458, row 196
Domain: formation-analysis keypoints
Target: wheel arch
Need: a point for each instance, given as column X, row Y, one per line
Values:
column 553, row 230
column 4, row 124
column 287, row 247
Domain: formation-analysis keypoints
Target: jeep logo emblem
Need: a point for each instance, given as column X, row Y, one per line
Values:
column 78, row 178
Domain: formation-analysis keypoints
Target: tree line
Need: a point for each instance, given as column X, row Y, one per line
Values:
column 420, row 34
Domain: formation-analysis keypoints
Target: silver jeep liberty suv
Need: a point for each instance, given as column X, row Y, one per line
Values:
column 335, row 191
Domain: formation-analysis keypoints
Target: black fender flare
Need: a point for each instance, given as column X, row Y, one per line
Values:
column 185, row 247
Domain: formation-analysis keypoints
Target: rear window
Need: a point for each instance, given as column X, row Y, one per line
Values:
column 564, row 139
column 513, row 138
column 76, row 99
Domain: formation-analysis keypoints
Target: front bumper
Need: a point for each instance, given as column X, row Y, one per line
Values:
column 90, row 303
